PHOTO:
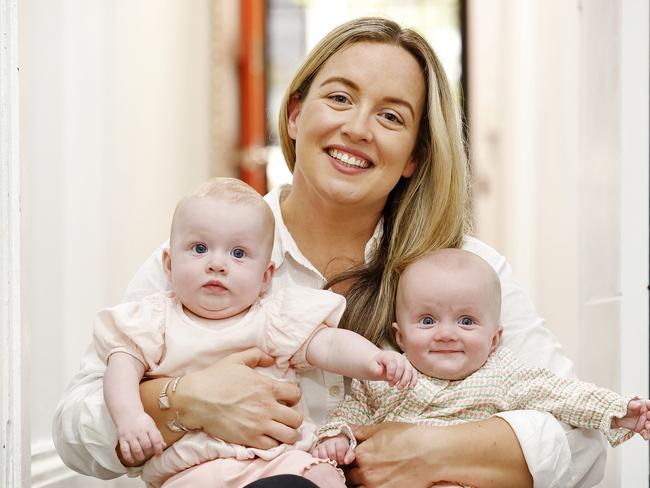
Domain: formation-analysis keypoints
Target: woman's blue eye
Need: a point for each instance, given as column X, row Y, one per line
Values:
column 466, row 321
column 426, row 320
column 238, row 253
column 200, row 248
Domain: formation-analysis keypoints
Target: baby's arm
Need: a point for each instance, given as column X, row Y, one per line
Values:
column 637, row 418
column 349, row 354
column 138, row 437
column 335, row 439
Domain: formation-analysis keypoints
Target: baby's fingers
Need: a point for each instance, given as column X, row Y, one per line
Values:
column 145, row 444
column 136, row 449
column 414, row 376
column 389, row 370
column 349, row 456
column 409, row 379
column 157, row 442
column 125, row 449
column 341, row 451
column 398, row 379
column 320, row 451
column 331, row 450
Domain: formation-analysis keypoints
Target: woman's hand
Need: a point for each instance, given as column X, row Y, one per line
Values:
column 390, row 455
column 484, row 453
column 232, row 402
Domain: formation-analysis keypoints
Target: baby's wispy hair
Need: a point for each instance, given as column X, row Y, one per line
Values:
column 229, row 190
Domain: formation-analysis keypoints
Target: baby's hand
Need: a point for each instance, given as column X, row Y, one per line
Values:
column 335, row 448
column 396, row 369
column 139, row 438
column 636, row 419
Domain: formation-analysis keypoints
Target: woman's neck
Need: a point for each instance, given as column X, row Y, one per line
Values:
column 331, row 236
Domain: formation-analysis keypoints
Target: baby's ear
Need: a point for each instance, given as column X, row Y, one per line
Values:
column 268, row 276
column 167, row 261
column 398, row 335
column 496, row 340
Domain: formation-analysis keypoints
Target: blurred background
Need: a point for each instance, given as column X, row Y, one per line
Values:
column 126, row 105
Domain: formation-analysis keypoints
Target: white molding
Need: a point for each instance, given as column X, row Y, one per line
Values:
column 47, row 467
column 14, row 457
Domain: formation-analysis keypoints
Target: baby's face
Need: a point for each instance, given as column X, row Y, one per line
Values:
column 447, row 320
column 219, row 260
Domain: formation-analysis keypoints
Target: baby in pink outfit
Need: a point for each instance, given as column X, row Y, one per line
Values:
column 218, row 263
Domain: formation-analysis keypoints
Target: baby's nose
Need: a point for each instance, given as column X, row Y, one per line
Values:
column 217, row 264
column 445, row 332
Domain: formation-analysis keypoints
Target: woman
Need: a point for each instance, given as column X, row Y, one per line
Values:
column 370, row 131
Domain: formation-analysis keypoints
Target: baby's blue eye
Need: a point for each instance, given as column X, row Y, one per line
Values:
column 427, row 320
column 466, row 321
column 238, row 253
column 200, row 248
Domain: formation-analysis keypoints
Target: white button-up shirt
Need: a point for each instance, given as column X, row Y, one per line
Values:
column 557, row 456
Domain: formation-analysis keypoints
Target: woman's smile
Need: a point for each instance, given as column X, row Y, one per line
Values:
column 347, row 158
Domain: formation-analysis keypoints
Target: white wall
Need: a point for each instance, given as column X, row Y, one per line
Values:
column 115, row 126
column 559, row 118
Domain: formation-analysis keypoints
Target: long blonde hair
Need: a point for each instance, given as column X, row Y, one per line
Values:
column 425, row 212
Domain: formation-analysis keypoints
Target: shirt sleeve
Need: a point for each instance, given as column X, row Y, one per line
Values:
column 578, row 456
column 82, row 429
column 135, row 328
column 575, row 402
column 294, row 314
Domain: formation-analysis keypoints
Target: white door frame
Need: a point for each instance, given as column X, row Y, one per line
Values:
column 14, row 434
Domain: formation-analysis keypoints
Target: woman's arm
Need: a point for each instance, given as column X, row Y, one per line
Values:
column 556, row 454
column 230, row 401
column 484, row 454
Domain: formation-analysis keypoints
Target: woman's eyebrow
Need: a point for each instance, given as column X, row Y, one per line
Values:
column 399, row 101
column 340, row 79
column 354, row 86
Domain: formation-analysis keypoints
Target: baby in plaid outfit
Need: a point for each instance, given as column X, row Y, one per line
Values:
column 448, row 311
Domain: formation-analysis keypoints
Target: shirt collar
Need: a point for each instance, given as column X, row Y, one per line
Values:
column 284, row 244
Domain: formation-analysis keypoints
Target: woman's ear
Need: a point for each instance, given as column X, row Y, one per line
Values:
column 293, row 109
column 410, row 168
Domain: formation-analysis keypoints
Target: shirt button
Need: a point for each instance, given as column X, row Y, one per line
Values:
column 334, row 391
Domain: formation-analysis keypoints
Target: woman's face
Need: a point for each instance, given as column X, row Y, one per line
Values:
column 356, row 128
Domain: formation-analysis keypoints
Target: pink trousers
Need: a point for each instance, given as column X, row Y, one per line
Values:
column 235, row 473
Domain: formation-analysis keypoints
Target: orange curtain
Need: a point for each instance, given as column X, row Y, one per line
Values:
column 252, row 91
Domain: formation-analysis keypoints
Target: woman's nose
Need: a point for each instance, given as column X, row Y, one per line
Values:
column 357, row 126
